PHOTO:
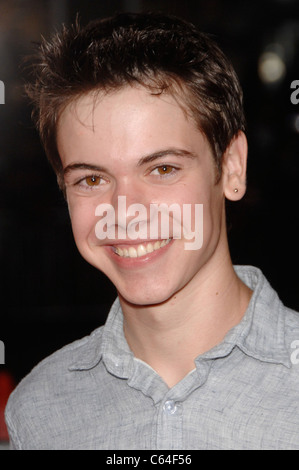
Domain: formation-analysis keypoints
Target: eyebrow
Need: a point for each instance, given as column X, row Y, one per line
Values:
column 163, row 153
column 146, row 159
column 82, row 166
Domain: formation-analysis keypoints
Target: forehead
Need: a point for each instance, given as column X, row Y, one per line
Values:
column 128, row 99
column 124, row 123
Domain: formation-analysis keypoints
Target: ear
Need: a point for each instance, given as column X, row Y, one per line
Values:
column 234, row 166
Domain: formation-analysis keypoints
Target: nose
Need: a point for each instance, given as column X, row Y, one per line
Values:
column 130, row 201
column 129, row 189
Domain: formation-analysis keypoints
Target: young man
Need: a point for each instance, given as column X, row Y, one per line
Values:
column 140, row 112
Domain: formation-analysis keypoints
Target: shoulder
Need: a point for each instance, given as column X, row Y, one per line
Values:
column 48, row 383
column 291, row 327
column 267, row 303
column 291, row 319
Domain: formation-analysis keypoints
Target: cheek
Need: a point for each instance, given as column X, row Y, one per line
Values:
column 212, row 219
column 207, row 207
column 83, row 221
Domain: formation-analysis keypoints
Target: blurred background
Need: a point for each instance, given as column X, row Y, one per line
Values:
column 49, row 295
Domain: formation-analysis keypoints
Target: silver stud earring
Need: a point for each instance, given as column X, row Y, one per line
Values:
column 236, row 190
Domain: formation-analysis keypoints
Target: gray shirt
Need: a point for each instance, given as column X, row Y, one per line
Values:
column 242, row 394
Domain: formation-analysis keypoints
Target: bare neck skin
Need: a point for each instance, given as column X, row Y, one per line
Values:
column 169, row 336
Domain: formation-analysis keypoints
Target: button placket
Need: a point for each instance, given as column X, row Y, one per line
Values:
column 169, row 424
column 170, row 407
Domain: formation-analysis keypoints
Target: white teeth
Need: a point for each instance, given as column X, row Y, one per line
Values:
column 120, row 252
column 157, row 245
column 140, row 250
column 149, row 247
column 125, row 252
column 132, row 252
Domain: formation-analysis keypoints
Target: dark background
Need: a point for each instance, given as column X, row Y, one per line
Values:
column 49, row 295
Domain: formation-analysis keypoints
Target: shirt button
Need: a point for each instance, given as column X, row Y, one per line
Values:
column 169, row 407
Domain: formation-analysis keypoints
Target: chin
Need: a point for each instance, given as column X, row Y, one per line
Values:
column 146, row 296
column 143, row 302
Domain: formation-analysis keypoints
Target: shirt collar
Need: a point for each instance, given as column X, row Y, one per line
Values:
column 260, row 334
column 106, row 343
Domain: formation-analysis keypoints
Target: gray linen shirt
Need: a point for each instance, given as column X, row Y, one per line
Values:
column 242, row 394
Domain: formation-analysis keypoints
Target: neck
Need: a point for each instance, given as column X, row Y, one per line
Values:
column 169, row 336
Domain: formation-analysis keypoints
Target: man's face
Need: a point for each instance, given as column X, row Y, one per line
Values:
column 146, row 149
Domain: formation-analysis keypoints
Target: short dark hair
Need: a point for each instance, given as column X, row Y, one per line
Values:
column 161, row 52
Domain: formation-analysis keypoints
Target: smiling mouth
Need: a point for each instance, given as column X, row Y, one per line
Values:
column 138, row 251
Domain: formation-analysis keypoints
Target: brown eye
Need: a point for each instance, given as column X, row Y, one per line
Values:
column 93, row 180
column 165, row 169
